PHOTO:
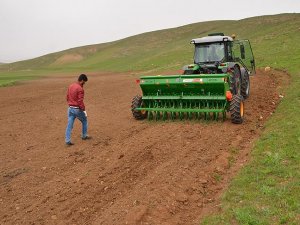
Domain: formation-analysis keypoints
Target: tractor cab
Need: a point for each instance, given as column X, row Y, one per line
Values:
column 216, row 52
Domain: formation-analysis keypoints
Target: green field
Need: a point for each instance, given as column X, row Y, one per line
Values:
column 266, row 191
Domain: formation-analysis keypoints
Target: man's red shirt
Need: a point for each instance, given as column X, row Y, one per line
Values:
column 75, row 96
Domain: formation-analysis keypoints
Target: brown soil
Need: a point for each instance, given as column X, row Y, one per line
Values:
column 68, row 58
column 131, row 172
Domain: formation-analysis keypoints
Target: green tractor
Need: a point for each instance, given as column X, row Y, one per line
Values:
column 217, row 82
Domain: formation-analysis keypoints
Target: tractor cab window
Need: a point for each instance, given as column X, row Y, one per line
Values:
column 209, row 52
column 242, row 52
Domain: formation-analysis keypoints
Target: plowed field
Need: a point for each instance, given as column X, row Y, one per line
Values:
column 131, row 172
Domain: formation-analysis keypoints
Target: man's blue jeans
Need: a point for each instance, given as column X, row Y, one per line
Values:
column 72, row 115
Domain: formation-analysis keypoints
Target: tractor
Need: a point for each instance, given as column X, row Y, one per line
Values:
column 216, row 83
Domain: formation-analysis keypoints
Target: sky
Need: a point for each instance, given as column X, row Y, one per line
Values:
column 31, row 28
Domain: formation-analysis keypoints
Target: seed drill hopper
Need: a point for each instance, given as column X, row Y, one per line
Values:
column 216, row 83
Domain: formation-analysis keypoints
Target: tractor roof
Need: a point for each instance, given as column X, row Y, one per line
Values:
column 210, row 39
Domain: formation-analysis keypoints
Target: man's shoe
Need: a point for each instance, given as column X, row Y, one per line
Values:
column 86, row 138
column 69, row 143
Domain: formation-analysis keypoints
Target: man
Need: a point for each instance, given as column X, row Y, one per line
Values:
column 75, row 96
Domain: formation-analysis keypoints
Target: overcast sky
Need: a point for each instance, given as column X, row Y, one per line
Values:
column 31, row 28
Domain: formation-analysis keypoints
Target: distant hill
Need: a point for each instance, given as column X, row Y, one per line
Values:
column 272, row 37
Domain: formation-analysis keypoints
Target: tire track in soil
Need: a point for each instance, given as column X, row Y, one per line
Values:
column 131, row 172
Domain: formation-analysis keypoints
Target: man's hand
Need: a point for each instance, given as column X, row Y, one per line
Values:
column 85, row 113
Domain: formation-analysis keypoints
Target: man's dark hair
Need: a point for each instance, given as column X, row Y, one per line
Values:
column 82, row 77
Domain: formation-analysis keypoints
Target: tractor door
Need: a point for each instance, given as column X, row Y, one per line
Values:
column 242, row 53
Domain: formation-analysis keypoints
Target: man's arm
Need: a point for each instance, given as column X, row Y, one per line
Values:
column 80, row 99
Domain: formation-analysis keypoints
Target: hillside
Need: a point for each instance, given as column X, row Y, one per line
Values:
column 170, row 49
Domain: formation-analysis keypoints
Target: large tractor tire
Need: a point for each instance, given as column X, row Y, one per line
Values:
column 237, row 109
column 235, row 81
column 245, row 88
column 137, row 102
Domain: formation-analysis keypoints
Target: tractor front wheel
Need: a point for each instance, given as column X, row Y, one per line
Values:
column 235, row 80
column 245, row 88
column 137, row 102
column 237, row 109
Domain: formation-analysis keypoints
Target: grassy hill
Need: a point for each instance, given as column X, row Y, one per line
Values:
column 267, row 190
column 274, row 41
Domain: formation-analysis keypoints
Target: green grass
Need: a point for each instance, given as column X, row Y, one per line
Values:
column 266, row 191
column 13, row 78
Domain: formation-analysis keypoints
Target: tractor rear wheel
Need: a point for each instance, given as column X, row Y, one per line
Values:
column 137, row 102
column 245, row 88
column 237, row 109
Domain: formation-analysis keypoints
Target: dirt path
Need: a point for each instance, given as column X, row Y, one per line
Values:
column 131, row 172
